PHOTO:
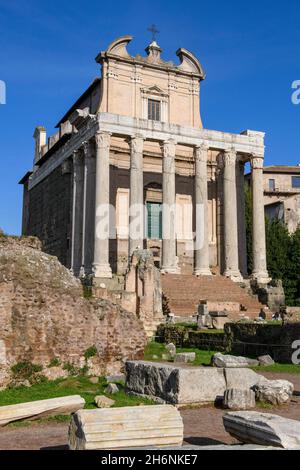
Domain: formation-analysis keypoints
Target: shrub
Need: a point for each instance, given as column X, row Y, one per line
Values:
column 90, row 352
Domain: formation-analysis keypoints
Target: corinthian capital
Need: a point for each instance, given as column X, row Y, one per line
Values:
column 137, row 144
column 169, row 148
column 257, row 162
column 102, row 140
column 201, row 152
column 87, row 148
column 229, row 157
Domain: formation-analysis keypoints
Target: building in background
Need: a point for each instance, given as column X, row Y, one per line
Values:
column 281, row 185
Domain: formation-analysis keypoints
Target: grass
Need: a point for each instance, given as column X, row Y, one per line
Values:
column 69, row 386
column 158, row 349
column 279, row 368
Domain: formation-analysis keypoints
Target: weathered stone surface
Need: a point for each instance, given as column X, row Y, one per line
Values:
column 172, row 383
column 276, row 392
column 236, row 399
column 263, row 429
column 119, row 428
column 242, row 378
column 40, row 408
column 44, row 316
column 171, row 348
column 185, row 357
column 104, row 402
column 226, row 360
column 265, row 360
column 111, row 389
column 115, row 378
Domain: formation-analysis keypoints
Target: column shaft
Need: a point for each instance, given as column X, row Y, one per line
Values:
column 77, row 212
column 101, row 266
column 201, row 240
column 88, row 209
column 242, row 239
column 169, row 260
column 136, row 204
column 230, row 217
column 260, row 272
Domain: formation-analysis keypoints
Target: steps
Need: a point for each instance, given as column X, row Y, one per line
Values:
column 185, row 292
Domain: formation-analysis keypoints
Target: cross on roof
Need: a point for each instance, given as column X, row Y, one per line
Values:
column 153, row 29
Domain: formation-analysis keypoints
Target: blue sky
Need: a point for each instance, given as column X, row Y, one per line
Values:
column 250, row 52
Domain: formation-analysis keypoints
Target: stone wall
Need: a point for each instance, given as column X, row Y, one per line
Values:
column 49, row 213
column 44, row 317
column 254, row 339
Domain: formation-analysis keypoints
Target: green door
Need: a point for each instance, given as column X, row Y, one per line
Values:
column 154, row 210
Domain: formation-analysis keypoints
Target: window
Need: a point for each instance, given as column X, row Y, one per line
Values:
column 154, row 210
column 153, row 110
column 295, row 181
column 272, row 185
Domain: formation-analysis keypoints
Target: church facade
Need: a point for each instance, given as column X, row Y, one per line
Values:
column 131, row 166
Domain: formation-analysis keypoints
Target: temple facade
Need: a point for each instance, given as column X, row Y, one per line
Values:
column 131, row 166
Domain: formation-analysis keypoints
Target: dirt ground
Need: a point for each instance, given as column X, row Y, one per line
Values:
column 202, row 426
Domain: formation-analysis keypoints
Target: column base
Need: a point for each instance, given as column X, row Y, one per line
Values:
column 202, row 272
column 261, row 277
column 102, row 271
column 170, row 270
column 235, row 276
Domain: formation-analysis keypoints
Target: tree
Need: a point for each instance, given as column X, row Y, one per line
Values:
column 283, row 252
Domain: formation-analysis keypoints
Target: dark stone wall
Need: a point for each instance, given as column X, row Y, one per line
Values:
column 254, row 339
column 49, row 214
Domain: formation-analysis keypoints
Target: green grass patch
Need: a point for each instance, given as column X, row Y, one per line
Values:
column 79, row 385
column 279, row 368
column 158, row 349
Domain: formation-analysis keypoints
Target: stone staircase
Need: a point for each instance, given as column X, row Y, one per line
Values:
column 184, row 293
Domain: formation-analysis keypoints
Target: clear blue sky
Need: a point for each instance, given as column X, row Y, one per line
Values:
column 250, row 51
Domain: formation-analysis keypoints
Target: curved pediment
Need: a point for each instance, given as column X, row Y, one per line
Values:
column 189, row 63
column 118, row 47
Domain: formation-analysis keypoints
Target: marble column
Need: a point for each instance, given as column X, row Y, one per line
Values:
column 136, row 195
column 259, row 272
column 88, row 208
column 242, row 239
column 101, row 266
column 201, row 240
column 169, row 260
column 77, row 209
column 230, row 217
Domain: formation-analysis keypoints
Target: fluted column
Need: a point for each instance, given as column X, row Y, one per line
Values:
column 242, row 239
column 201, row 240
column 101, row 266
column 230, row 217
column 88, row 213
column 169, row 261
column 77, row 207
column 259, row 272
column 136, row 205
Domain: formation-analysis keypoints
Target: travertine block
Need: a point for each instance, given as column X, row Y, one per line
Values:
column 40, row 409
column 263, row 429
column 128, row 427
